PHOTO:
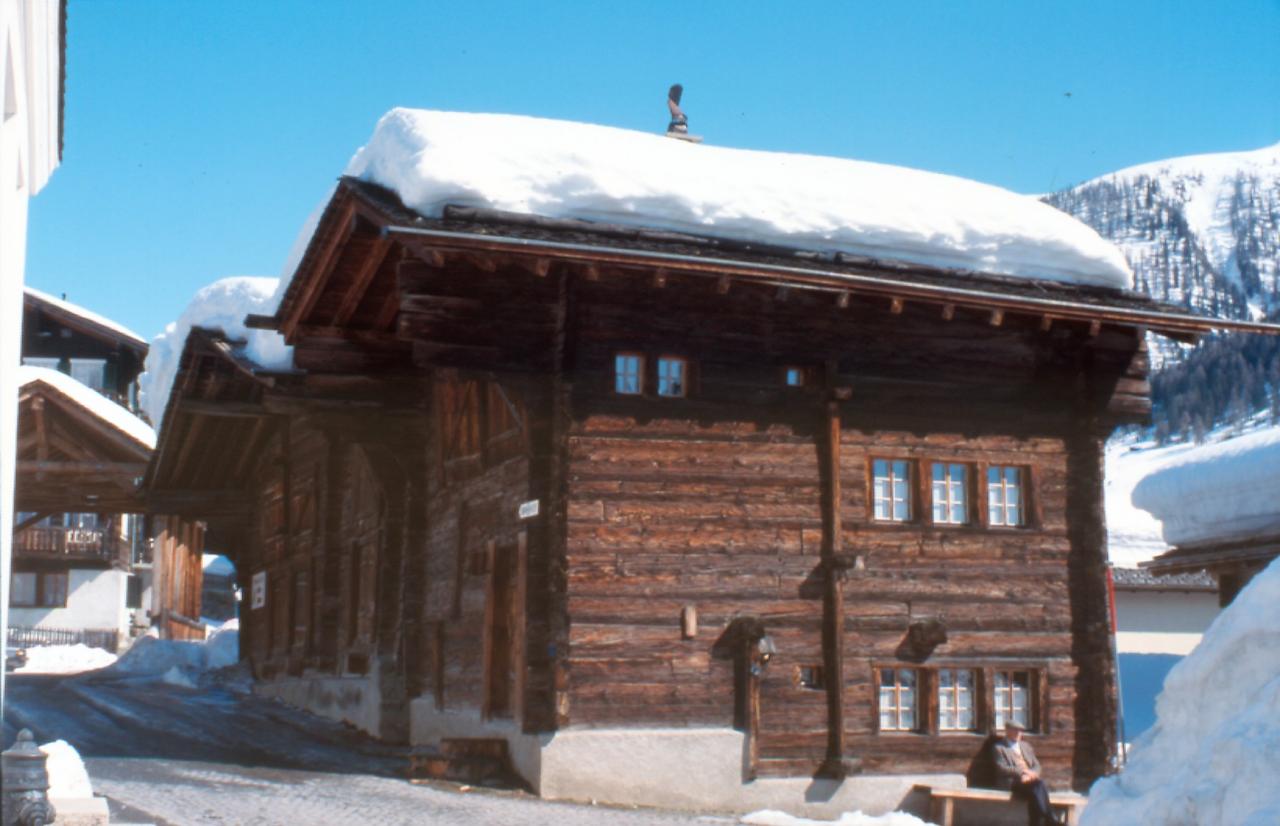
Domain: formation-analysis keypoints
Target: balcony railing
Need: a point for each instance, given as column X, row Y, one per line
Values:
column 71, row 543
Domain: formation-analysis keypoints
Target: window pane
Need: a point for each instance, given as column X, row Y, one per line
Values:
column 627, row 374
column 957, row 514
column 22, row 588
column 55, row 590
column 881, row 468
column 89, row 372
column 795, row 377
column 939, row 473
column 900, row 470
column 900, row 511
column 671, row 376
column 965, row 721
column 1011, row 516
column 1011, row 476
column 939, row 507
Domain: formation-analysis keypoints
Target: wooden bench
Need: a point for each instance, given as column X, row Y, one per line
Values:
column 942, row 802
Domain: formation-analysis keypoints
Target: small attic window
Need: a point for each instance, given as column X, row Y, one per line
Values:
column 673, row 376
column 793, row 376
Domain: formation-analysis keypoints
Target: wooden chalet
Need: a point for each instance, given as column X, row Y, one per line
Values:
column 555, row 483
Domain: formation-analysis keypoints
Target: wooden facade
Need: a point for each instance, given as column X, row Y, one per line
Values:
column 449, row 491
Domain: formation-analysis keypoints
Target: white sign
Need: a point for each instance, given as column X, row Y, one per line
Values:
column 529, row 509
column 259, row 590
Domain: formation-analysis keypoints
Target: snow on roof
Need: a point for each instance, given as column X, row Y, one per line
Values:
column 222, row 304
column 87, row 315
column 1217, row 492
column 96, row 403
column 216, row 565
column 560, row 169
column 1211, row 757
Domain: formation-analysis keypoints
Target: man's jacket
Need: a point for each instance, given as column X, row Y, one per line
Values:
column 1008, row 767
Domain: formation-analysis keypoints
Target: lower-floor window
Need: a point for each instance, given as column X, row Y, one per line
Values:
column 955, row 699
column 898, row 699
column 31, row 589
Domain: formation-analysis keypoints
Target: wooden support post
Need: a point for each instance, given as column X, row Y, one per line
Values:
column 833, row 765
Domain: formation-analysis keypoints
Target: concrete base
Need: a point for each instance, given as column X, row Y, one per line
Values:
column 353, row 700
column 81, row 811
column 690, row 769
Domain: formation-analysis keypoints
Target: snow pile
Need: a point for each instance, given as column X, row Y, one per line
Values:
column 67, row 776
column 1134, row 535
column 560, row 169
column 180, row 663
column 1217, row 492
column 87, row 315
column 769, row 817
column 222, row 305
column 99, row 405
column 65, row 659
column 1211, row 758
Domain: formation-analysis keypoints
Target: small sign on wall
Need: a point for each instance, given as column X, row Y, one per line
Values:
column 259, row 590
column 529, row 509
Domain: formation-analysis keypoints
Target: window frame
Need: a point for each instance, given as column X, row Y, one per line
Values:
column 918, row 725
column 1030, row 721
column 684, row 371
column 801, row 373
column 910, row 480
column 929, row 697
column 44, row 591
column 639, row 373
column 1024, row 496
column 966, row 488
column 975, row 691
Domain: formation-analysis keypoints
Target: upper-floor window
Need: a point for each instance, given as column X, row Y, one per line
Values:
column 892, row 489
column 41, row 361
column 950, row 494
column 955, row 699
column 793, row 376
column 673, row 373
column 1012, row 698
column 898, row 698
column 1004, row 496
column 90, row 372
column 628, row 374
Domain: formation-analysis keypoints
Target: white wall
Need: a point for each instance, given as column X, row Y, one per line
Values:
column 95, row 600
column 1162, row 622
column 30, row 75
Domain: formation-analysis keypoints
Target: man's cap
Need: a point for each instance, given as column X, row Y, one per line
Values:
column 1014, row 724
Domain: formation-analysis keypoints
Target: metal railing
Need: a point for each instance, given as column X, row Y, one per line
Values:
column 25, row 637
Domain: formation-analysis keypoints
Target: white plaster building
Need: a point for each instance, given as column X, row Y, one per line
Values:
column 32, row 54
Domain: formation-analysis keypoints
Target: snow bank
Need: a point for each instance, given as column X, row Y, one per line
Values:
column 88, row 315
column 1133, row 534
column 1211, row 758
column 223, row 305
column 1217, row 491
column 65, row 659
column 560, row 169
column 177, row 662
column 99, row 405
column 768, row 817
column 67, row 775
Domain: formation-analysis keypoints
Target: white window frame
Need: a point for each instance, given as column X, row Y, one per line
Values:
column 897, row 713
column 890, row 477
column 98, row 369
column 1005, row 697
column 955, row 699
column 623, row 378
column 998, row 496
column 950, row 496
column 673, row 385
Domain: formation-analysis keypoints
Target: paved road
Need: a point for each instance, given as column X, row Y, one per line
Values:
column 175, row 756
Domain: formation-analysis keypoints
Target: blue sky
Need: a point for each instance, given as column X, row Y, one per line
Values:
column 200, row 135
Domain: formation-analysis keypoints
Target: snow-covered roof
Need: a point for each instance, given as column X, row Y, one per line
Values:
column 216, row 565
column 99, row 405
column 87, row 315
column 560, row 169
column 222, row 305
column 1217, row 492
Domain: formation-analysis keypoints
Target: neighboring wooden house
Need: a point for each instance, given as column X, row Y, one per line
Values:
column 668, row 514
column 1218, row 510
column 82, row 566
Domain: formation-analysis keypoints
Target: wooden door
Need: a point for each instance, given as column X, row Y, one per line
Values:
column 503, row 629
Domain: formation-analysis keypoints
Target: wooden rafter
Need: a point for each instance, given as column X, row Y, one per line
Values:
column 360, row 284
column 326, row 264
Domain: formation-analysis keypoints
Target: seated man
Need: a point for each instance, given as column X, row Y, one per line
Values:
column 1018, row 770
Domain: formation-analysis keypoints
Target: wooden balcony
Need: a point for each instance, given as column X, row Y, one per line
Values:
column 78, row 544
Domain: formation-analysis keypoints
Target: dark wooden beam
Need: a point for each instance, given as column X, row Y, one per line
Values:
column 833, row 764
column 225, row 410
column 255, row 321
column 126, row 470
column 360, row 284
column 197, row 503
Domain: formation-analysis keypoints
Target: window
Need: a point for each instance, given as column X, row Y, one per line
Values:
column 892, row 494
column 47, row 363
column 793, row 376
column 1004, row 496
column 955, row 700
column 812, row 677
column 38, row 590
column 628, row 374
column 133, row 592
column 1012, row 696
column 898, row 699
column 950, row 494
column 673, row 374
column 89, row 372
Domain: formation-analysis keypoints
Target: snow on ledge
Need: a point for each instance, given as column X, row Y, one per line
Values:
column 87, row 315
column 96, row 403
column 1217, row 492
column 560, row 169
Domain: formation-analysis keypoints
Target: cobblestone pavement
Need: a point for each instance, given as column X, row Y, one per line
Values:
column 210, row 756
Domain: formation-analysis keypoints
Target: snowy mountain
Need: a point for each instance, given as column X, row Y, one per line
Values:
column 1202, row 231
